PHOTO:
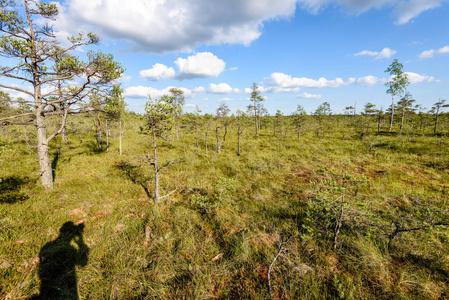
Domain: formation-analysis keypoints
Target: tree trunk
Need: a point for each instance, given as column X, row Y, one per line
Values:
column 99, row 138
column 42, row 150
column 436, row 122
column 176, row 128
column 255, row 118
column 197, row 144
column 392, row 112
column 64, row 135
column 238, row 143
column 402, row 120
column 299, row 131
column 218, row 139
column 156, row 170
column 62, row 108
column 379, row 118
column 120, row 135
column 107, row 136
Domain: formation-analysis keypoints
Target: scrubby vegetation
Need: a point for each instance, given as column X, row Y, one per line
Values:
column 338, row 210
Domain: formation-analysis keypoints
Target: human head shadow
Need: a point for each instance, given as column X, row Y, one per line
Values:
column 57, row 261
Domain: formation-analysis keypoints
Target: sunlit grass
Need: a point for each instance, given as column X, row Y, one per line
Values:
column 202, row 243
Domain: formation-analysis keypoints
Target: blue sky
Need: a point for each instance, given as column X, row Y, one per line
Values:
column 301, row 52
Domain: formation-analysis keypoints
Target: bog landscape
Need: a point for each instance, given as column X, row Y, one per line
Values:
column 100, row 202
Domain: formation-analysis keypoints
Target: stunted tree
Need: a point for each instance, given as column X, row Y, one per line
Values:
column 207, row 123
column 106, row 105
column 299, row 117
column 115, row 110
column 396, row 85
column 36, row 59
column 221, row 126
column 159, row 120
column 96, row 104
column 240, row 122
column 405, row 105
column 369, row 109
column 177, row 98
column 256, row 98
column 380, row 116
column 196, row 121
column 5, row 102
column 323, row 109
column 436, row 109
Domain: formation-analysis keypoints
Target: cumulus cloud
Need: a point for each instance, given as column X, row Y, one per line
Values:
column 309, row 96
column 222, row 88
column 417, row 78
column 144, row 92
column 162, row 26
column 203, row 64
column 432, row 53
column 198, row 90
column 385, row 53
column 280, row 89
column 368, row 80
column 287, row 81
column 407, row 10
column 261, row 89
column 200, row 65
column 158, row 72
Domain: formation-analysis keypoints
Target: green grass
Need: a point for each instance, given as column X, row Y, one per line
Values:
column 216, row 236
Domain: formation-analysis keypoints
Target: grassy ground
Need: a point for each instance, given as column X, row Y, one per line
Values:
column 345, row 218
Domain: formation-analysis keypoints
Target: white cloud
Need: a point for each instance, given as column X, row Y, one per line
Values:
column 414, row 43
column 203, row 64
column 385, row 53
column 234, row 68
column 200, row 65
column 417, row 78
column 403, row 10
column 368, row 80
column 279, row 89
column 431, row 53
column 198, row 90
column 287, row 81
column 144, row 92
column 309, row 96
column 261, row 89
column 407, row 10
column 125, row 78
column 226, row 99
column 158, row 72
column 222, row 88
column 162, row 26
column 189, row 105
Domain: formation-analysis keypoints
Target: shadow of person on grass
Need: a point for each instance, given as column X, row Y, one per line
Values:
column 57, row 261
